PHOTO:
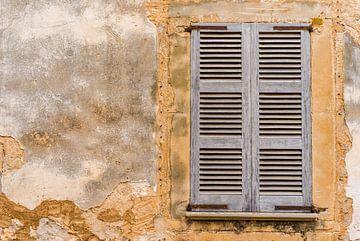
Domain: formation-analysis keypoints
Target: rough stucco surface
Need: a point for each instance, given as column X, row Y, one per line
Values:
column 352, row 106
column 80, row 84
column 77, row 90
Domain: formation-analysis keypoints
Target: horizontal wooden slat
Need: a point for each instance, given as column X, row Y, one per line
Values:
column 280, row 172
column 279, row 35
column 278, row 55
column 280, row 60
column 216, row 162
column 222, row 178
column 219, row 45
column 273, row 41
column 229, row 61
column 220, row 170
column 220, row 40
column 220, row 56
column 217, row 65
column 283, row 106
column 215, row 107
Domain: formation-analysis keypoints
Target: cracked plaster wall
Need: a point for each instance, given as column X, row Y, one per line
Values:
column 78, row 92
column 80, row 84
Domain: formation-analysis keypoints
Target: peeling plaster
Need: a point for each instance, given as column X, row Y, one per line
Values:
column 9, row 232
column 77, row 91
column 49, row 230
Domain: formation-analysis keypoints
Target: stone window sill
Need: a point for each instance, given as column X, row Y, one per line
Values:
column 252, row 216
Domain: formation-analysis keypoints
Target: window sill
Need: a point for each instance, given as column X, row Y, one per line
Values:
column 252, row 216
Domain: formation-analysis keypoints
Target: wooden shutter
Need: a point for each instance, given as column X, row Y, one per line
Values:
column 281, row 131
column 219, row 114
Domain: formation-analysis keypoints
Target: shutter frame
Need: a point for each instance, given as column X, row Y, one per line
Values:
column 201, row 87
column 251, row 144
column 261, row 84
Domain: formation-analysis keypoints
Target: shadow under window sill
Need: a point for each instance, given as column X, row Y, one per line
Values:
column 208, row 215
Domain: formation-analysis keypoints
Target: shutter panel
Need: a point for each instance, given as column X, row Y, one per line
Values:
column 281, row 127
column 219, row 114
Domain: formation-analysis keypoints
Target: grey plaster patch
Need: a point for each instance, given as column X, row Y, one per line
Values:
column 77, row 89
column 352, row 107
column 245, row 11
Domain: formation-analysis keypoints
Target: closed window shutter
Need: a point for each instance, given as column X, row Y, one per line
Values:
column 281, row 120
column 250, row 118
column 219, row 114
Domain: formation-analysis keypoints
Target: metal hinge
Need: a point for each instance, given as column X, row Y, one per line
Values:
column 294, row 208
column 309, row 28
column 188, row 29
column 192, row 207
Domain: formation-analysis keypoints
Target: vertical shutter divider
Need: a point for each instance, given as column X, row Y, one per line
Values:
column 247, row 133
column 254, row 83
column 305, row 76
column 194, row 113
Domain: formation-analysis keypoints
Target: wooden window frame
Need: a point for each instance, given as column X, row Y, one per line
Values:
column 250, row 52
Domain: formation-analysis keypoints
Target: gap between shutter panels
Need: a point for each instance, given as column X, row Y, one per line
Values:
column 220, row 113
column 280, row 114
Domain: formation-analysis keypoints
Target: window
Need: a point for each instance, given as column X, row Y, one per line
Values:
column 250, row 118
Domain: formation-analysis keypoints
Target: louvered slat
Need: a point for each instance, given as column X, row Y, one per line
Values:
column 282, row 153
column 280, row 172
column 280, row 115
column 281, row 48
column 218, row 53
column 220, row 171
column 250, row 143
column 220, row 113
column 218, row 109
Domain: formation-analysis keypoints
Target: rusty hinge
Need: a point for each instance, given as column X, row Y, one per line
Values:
column 294, row 208
column 188, row 29
column 192, row 207
column 292, row 28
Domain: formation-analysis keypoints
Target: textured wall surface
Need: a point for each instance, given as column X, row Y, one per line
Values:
column 352, row 106
column 78, row 93
column 94, row 119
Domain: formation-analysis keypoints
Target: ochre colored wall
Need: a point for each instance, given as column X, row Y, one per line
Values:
column 148, row 201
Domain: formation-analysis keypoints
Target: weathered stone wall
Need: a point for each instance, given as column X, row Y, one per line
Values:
column 94, row 108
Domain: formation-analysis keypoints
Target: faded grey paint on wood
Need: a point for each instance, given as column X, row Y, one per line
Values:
column 275, row 147
column 217, row 87
column 282, row 155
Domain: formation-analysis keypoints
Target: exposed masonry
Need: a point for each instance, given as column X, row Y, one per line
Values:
column 82, row 65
